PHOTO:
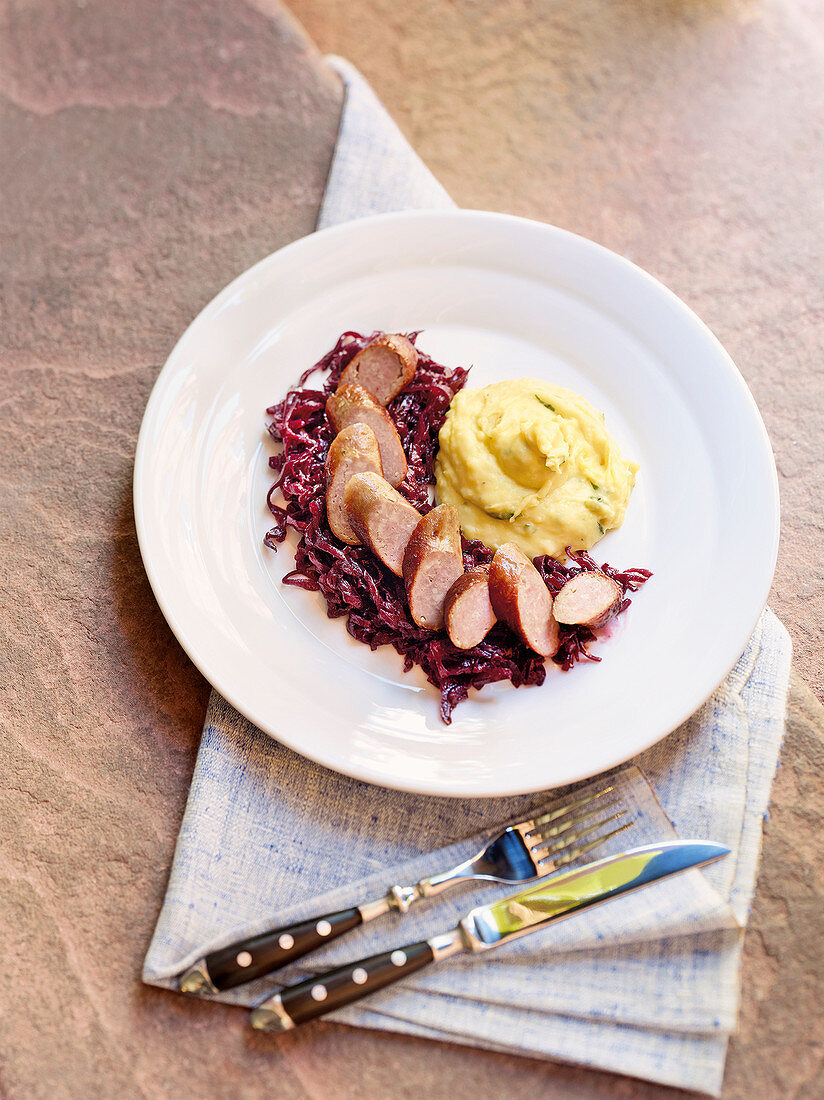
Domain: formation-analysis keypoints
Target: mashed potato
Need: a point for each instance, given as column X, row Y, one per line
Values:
column 531, row 463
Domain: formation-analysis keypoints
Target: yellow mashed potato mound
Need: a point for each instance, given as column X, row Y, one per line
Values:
column 531, row 463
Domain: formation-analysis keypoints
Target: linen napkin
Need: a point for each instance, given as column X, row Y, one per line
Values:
column 646, row 986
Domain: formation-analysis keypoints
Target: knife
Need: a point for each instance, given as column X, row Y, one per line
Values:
column 488, row 926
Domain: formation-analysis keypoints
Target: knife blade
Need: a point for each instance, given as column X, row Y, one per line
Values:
column 485, row 927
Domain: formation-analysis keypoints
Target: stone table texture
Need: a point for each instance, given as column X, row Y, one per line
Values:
column 151, row 151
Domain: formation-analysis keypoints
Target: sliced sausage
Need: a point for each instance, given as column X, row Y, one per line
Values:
column 352, row 404
column 589, row 599
column 431, row 564
column 380, row 518
column 384, row 367
column 353, row 451
column 520, row 597
column 467, row 609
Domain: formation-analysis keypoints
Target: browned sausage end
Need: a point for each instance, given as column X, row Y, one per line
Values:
column 354, row 450
column 467, row 610
column 380, row 517
column 352, row 404
column 384, row 367
column 521, row 599
column 431, row 565
column 590, row 599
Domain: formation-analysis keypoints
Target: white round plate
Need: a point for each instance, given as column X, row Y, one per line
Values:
column 512, row 298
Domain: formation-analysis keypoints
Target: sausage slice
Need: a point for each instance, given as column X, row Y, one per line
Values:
column 589, row 599
column 384, row 367
column 467, row 609
column 380, row 518
column 353, row 451
column 520, row 597
column 431, row 565
column 352, row 404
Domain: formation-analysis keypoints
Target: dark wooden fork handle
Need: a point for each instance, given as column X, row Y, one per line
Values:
column 249, row 959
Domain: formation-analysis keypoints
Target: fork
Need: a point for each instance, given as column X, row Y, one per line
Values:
column 522, row 852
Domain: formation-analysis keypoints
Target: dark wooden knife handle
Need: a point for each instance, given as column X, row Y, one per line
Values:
column 336, row 988
column 249, row 959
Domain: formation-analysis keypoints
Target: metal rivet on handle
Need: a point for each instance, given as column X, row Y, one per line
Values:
column 359, row 976
column 323, row 928
column 244, row 959
column 398, row 958
column 319, row 992
column 286, row 941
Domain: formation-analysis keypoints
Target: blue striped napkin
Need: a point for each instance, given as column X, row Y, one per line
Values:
column 646, row 986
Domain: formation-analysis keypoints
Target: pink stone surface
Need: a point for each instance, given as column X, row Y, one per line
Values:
column 151, row 152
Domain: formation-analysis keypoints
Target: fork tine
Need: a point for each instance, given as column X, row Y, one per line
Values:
column 541, row 850
column 550, row 863
column 534, row 837
column 560, row 811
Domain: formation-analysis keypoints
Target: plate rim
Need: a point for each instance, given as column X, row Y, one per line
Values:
column 359, row 770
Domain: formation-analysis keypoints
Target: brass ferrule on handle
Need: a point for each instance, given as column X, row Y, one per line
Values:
column 397, row 899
